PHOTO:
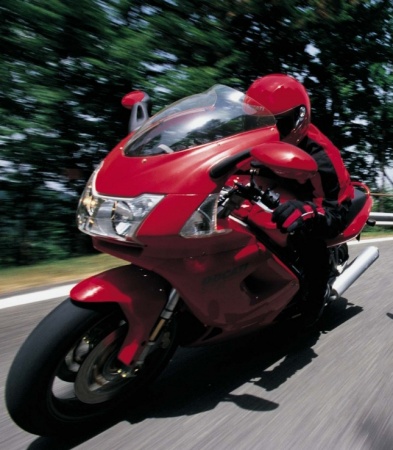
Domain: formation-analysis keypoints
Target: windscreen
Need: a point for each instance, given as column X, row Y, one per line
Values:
column 199, row 119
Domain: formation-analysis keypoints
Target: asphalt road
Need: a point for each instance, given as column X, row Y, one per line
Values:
column 329, row 389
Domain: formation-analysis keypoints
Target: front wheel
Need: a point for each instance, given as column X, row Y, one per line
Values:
column 66, row 375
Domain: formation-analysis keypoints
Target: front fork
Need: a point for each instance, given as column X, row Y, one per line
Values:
column 166, row 314
column 146, row 300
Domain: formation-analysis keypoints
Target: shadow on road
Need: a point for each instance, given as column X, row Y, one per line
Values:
column 197, row 380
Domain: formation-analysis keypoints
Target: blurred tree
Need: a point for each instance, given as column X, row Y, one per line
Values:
column 351, row 53
column 63, row 78
column 342, row 50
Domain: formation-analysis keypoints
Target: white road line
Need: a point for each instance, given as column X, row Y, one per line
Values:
column 47, row 294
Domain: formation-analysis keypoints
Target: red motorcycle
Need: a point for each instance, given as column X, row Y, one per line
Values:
column 186, row 198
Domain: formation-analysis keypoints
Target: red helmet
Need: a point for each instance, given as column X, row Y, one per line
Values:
column 288, row 100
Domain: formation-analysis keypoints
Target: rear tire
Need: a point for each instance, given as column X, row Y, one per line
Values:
column 65, row 376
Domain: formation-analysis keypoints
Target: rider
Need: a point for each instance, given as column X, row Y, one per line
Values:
column 323, row 202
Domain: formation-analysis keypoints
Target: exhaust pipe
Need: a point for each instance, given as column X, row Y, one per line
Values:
column 353, row 271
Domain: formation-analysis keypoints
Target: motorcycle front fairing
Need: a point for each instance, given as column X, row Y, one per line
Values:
column 166, row 166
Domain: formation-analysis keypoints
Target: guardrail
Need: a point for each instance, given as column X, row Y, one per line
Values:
column 382, row 218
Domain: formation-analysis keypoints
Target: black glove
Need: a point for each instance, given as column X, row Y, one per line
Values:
column 295, row 214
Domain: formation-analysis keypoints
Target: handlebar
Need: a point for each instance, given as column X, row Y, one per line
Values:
column 232, row 198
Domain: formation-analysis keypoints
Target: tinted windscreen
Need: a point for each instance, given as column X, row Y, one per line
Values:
column 200, row 119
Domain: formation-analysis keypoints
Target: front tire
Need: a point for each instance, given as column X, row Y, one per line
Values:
column 66, row 376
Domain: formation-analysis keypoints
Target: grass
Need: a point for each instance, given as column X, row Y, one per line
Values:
column 71, row 270
column 377, row 232
column 56, row 272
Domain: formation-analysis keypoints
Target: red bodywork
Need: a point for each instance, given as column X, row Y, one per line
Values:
column 230, row 282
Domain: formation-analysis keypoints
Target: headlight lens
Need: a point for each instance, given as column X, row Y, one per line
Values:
column 203, row 222
column 116, row 218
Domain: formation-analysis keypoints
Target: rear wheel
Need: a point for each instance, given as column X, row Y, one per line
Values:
column 66, row 375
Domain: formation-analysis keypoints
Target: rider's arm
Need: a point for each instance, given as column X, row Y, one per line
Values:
column 332, row 188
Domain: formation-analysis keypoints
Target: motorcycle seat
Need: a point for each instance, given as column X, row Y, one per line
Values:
column 358, row 201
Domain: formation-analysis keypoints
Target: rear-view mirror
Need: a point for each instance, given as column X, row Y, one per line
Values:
column 286, row 160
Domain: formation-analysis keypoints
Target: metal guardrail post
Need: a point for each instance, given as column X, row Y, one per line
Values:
column 382, row 219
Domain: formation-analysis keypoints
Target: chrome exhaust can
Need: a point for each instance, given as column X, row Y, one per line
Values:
column 353, row 271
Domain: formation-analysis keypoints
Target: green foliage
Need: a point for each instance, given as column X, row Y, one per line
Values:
column 65, row 66
column 353, row 39
column 383, row 202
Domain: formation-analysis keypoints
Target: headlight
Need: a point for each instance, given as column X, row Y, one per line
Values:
column 203, row 222
column 116, row 218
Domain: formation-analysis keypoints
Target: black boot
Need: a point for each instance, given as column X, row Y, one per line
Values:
column 314, row 261
column 313, row 307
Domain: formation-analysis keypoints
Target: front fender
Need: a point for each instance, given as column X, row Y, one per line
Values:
column 141, row 295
